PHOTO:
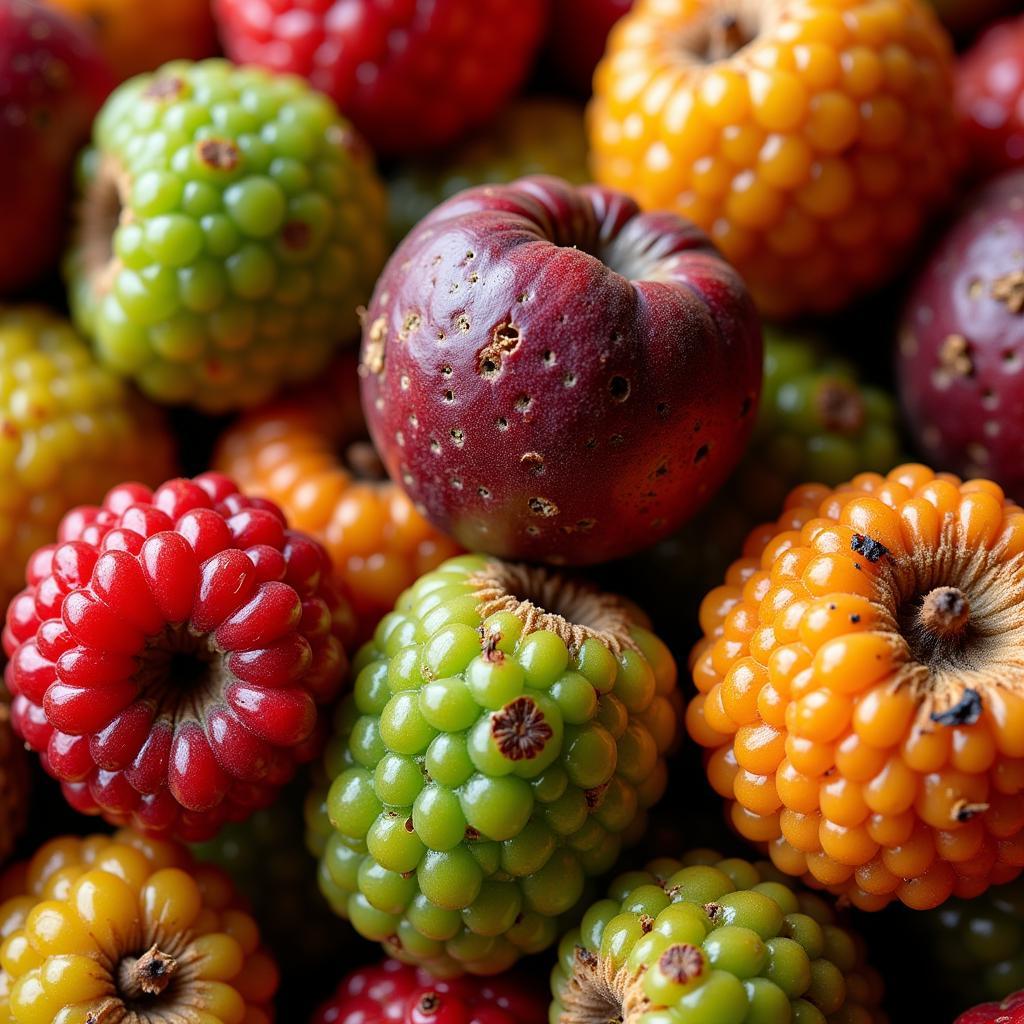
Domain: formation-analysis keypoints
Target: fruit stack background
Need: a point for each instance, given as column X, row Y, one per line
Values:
column 731, row 276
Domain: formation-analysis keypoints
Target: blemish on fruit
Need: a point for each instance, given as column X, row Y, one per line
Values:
column 873, row 550
column 504, row 341
column 681, row 963
column 702, row 453
column 1009, row 290
column 219, row 154
column 458, row 436
column 523, row 403
column 966, row 711
column 409, row 324
column 533, row 461
column 520, row 730
column 569, row 380
column 955, row 357
column 542, row 507
column 373, row 350
column 618, row 388
column 164, row 88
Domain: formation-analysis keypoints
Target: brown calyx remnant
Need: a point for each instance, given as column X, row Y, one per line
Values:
column 149, row 975
column 1009, row 289
column 102, row 208
column 597, row 993
column 955, row 356
column 544, row 600
column 489, row 650
column 682, row 963
column 219, row 154
column 504, row 341
column 840, row 407
column 945, row 612
column 520, row 730
column 164, row 88
column 725, row 37
column 373, row 350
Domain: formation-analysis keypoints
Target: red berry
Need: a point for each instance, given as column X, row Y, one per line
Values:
column 961, row 350
column 410, row 75
column 553, row 375
column 394, row 993
column 169, row 652
column 1009, row 1011
column 53, row 80
column 990, row 97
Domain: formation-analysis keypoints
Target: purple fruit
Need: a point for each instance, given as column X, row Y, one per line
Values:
column 555, row 376
column 961, row 348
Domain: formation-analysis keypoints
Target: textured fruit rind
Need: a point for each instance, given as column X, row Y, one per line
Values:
column 245, row 226
column 862, row 753
column 760, row 950
column 435, row 843
column 73, row 914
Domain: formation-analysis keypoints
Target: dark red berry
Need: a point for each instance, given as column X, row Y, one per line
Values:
column 169, row 653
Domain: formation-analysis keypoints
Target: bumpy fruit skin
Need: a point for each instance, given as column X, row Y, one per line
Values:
column 138, row 36
column 553, row 375
column 395, row 993
column 961, row 342
column 577, row 34
column 13, row 781
column 169, row 652
column 812, row 155
column 128, row 928
column 485, row 766
column 856, row 721
column 1008, row 1011
column 411, row 76
column 990, row 98
column 531, row 136
column 69, row 431
column 53, row 80
column 722, row 941
column 289, row 452
column 230, row 224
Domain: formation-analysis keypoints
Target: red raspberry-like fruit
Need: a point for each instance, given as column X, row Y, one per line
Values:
column 990, row 97
column 961, row 346
column 53, row 80
column 169, row 652
column 394, row 993
column 411, row 74
column 1009, row 1011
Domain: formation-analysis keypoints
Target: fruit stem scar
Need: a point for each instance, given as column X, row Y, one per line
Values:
column 148, row 975
column 598, row 993
column 945, row 612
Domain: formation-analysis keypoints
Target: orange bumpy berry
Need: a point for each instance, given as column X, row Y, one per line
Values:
column 128, row 930
column 809, row 138
column 288, row 452
column 870, row 729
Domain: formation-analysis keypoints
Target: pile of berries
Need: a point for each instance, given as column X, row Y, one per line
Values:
column 455, row 454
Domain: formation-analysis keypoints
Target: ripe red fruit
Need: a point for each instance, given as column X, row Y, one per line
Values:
column 53, row 80
column 961, row 347
column 410, row 75
column 169, row 652
column 577, row 33
column 394, row 993
column 553, row 375
column 1009, row 1011
column 990, row 97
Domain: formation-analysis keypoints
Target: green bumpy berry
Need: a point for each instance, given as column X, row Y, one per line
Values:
column 710, row 941
column 478, row 778
column 230, row 225
column 532, row 136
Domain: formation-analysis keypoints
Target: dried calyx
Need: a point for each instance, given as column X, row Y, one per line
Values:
column 599, row 993
column 142, row 983
column 103, row 207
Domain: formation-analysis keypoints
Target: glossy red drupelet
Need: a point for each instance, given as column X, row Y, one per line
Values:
column 410, row 74
column 169, row 652
column 394, row 993
column 1009, row 1011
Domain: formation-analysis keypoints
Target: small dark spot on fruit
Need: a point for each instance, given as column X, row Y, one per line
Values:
column 617, row 337
column 532, row 530
column 855, row 617
column 533, row 461
column 470, row 254
column 697, row 425
column 462, row 323
column 569, row 380
column 458, row 437
column 748, row 404
column 502, row 423
column 619, row 388
column 871, row 549
column 483, row 492
column 548, row 358
column 446, row 370
column 616, row 440
column 473, row 278
column 661, row 470
column 220, row 154
column 522, row 297
column 702, row 453
column 523, row 402
column 542, row 507
column 661, row 409
column 456, row 483
column 435, row 446
column 449, row 395
column 591, row 443
column 562, row 318
column 409, row 827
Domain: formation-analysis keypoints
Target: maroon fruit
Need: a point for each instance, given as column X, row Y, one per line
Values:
column 555, row 376
column 961, row 346
column 53, row 80
column 169, row 653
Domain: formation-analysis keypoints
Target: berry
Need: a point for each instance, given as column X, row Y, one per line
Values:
column 704, row 940
column 577, row 33
column 506, row 727
column 554, row 375
column 13, row 782
column 288, row 452
column 861, row 688
column 169, row 653
column 410, row 75
column 1009, row 1011
column 532, row 136
column 69, row 430
column 137, row 36
column 990, row 98
column 53, row 79
column 128, row 929
column 810, row 138
column 230, row 225
column 394, row 993
column 961, row 347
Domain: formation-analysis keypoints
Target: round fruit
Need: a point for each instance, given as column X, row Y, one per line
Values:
column 169, row 653
column 128, row 930
column 532, row 136
column 861, row 685
column 288, row 452
column 410, row 75
column 506, row 726
column 69, row 430
column 961, row 346
column 137, row 35
column 1009, row 1011
column 810, row 138
column 230, row 224
column 577, row 34
column 13, row 782
column 394, row 993
column 554, row 375
column 990, row 98
column 53, row 79
column 704, row 940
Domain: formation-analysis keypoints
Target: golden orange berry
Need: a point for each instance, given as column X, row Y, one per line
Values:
column 870, row 731
column 809, row 138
